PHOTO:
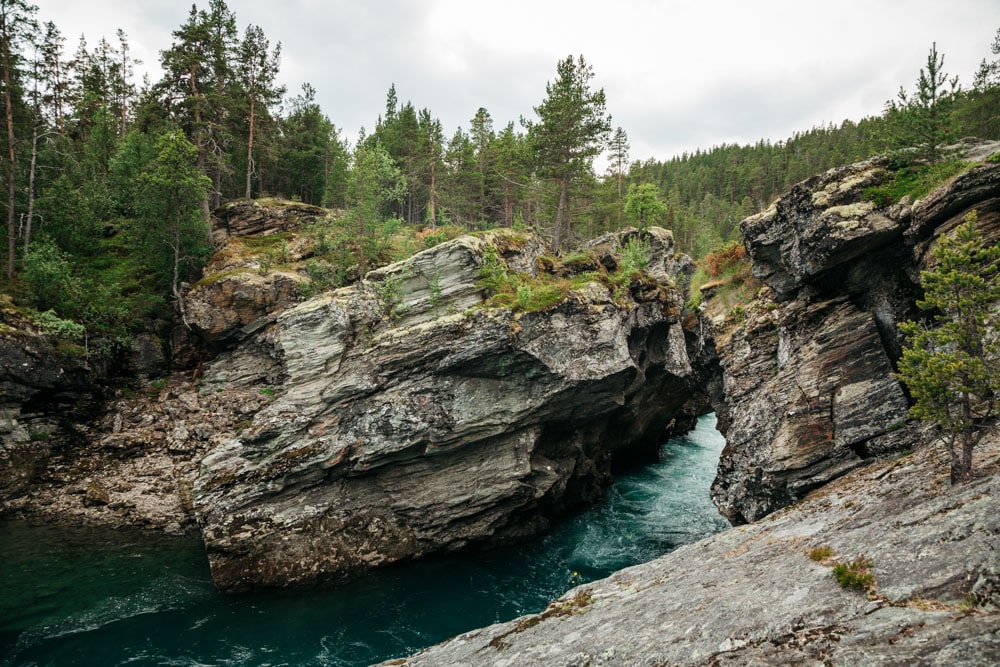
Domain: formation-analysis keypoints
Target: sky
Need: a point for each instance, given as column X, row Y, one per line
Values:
column 678, row 75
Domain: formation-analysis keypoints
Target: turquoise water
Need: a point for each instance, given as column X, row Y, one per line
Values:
column 89, row 597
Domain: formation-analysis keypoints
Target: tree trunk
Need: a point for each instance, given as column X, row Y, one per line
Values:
column 560, row 213
column 250, row 150
column 432, row 204
column 9, row 114
column 31, row 191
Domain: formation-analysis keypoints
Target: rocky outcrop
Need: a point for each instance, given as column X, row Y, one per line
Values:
column 809, row 393
column 254, row 218
column 135, row 465
column 754, row 595
column 411, row 417
column 229, row 306
column 40, row 389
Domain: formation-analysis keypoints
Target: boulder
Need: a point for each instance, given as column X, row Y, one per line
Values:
column 409, row 417
column 264, row 217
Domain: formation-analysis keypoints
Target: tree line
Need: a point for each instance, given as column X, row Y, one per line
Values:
column 110, row 182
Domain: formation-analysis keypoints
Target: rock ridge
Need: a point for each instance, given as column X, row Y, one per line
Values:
column 807, row 376
column 410, row 416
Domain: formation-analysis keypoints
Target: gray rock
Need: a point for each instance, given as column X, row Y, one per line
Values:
column 808, row 391
column 408, row 421
column 752, row 595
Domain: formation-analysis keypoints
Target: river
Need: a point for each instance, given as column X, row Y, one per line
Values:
column 96, row 597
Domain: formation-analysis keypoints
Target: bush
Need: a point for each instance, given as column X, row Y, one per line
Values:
column 856, row 574
column 724, row 260
column 49, row 278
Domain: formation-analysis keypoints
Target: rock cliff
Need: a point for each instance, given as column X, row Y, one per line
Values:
column 411, row 417
column 41, row 390
column 809, row 393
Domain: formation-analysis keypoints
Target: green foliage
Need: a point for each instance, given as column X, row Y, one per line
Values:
column 49, row 278
column 923, row 119
column 435, row 294
column 915, row 181
column 374, row 184
column 390, row 293
column 634, row 256
column 51, row 324
column 856, row 574
column 643, row 206
column 171, row 235
column 572, row 129
column 952, row 367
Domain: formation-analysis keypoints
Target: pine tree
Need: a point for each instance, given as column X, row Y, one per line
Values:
column 922, row 120
column 17, row 24
column 572, row 129
column 256, row 71
column 952, row 368
column 619, row 161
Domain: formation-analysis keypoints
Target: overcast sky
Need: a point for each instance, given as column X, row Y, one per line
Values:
column 678, row 75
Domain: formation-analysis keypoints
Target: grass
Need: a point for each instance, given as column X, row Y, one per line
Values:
column 856, row 575
column 556, row 278
column 915, row 181
column 820, row 554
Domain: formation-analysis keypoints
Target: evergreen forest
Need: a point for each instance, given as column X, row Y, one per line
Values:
column 110, row 183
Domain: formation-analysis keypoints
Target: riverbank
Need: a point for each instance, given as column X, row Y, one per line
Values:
column 753, row 594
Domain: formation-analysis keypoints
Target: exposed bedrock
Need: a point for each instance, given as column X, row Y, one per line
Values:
column 408, row 418
column 809, row 391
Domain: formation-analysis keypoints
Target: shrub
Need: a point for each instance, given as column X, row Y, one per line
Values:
column 724, row 260
column 856, row 574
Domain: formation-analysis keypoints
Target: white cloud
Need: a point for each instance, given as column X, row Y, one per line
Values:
column 678, row 75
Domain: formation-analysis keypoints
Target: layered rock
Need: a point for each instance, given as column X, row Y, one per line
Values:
column 252, row 218
column 753, row 595
column 807, row 376
column 410, row 418
column 40, row 388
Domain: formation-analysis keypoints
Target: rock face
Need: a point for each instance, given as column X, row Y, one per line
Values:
column 39, row 390
column 809, row 393
column 409, row 419
column 753, row 595
column 245, row 218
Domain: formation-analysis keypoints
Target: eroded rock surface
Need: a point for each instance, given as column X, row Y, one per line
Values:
column 809, row 391
column 752, row 595
column 409, row 419
column 40, row 389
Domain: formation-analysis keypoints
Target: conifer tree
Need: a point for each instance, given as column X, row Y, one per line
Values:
column 571, row 130
column 922, row 120
column 17, row 24
column 952, row 368
column 256, row 70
